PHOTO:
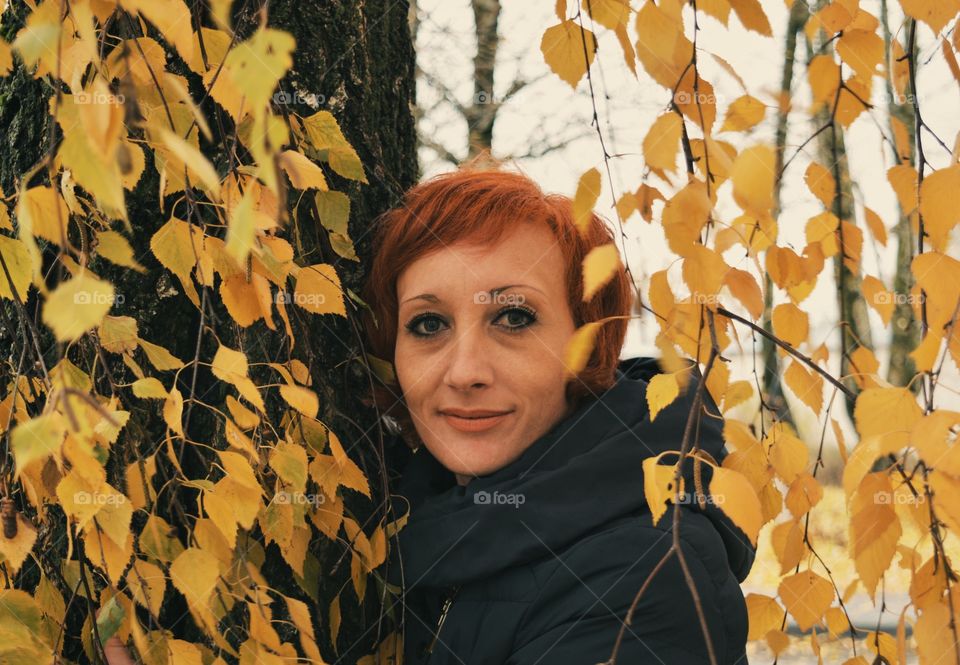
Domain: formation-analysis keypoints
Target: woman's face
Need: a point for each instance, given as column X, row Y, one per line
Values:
column 480, row 341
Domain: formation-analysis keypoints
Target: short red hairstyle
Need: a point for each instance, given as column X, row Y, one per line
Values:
column 478, row 204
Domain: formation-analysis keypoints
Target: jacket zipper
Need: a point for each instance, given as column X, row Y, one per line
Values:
column 443, row 617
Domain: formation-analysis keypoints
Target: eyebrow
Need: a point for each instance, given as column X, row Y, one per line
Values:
column 429, row 297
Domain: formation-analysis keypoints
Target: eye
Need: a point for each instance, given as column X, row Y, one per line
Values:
column 428, row 330
column 518, row 317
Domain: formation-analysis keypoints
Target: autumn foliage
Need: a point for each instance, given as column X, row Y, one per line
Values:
column 121, row 81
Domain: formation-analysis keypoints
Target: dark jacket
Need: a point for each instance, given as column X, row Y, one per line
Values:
column 543, row 557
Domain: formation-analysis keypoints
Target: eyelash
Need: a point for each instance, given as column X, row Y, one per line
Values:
column 412, row 325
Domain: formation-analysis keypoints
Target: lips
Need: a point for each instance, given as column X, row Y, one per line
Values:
column 474, row 420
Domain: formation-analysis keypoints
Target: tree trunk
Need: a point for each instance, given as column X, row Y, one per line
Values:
column 905, row 333
column 359, row 56
column 773, row 387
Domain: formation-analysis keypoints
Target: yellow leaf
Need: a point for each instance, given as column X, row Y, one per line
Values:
column 790, row 323
column 118, row 334
column 302, row 399
column 194, row 573
column 204, row 174
column 685, row 215
column 938, row 205
column 17, row 257
column 599, row 266
column 290, row 463
column 744, row 112
column 318, row 290
column 148, row 583
column 753, row 177
column 752, row 17
column 661, row 45
column 77, row 305
column 14, row 551
column 241, row 229
column 935, row 13
column 173, row 411
column 821, row 183
column 115, row 248
column 704, row 271
column 903, row 179
column 662, row 390
column 172, row 19
column 806, row 384
column 874, row 529
column 177, row 244
column 824, row 77
column 568, row 51
column 764, row 614
column 588, row 191
column 241, row 299
column 6, row 58
column 658, row 485
column 579, row 348
column 804, row 493
column 806, row 596
column 696, row 103
column 325, row 135
column 788, row 454
column 149, row 388
column 114, row 515
column 228, row 364
column 258, row 63
column 661, row 143
column 886, row 412
column 734, row 495
column 876, row 295
column 876, row 226
column 608, row 13
column 303, row 173
column 744, row 288
column 159, row 357
column 862, row 50
column 42, row 212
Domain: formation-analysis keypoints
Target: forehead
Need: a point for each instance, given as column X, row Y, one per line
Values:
column 528, row 251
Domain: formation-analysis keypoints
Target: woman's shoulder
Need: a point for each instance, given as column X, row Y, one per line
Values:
column 595, row 581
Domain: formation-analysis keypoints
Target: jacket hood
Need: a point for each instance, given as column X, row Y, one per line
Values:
column 584, row 472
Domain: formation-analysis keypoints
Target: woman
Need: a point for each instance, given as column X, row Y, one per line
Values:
column 528, row 535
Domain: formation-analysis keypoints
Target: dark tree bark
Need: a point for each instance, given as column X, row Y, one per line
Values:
column 359, row 56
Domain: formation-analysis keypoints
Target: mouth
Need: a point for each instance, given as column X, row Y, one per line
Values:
column 473, row 421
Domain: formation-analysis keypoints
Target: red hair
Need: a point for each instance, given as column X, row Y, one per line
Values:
column 479, row 204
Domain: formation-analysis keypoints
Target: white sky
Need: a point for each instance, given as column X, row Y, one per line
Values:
column 628, row 106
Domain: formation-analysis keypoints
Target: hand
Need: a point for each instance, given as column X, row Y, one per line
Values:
column 117, row 653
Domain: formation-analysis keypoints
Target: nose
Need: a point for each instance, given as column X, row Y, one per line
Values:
column 469, row 364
